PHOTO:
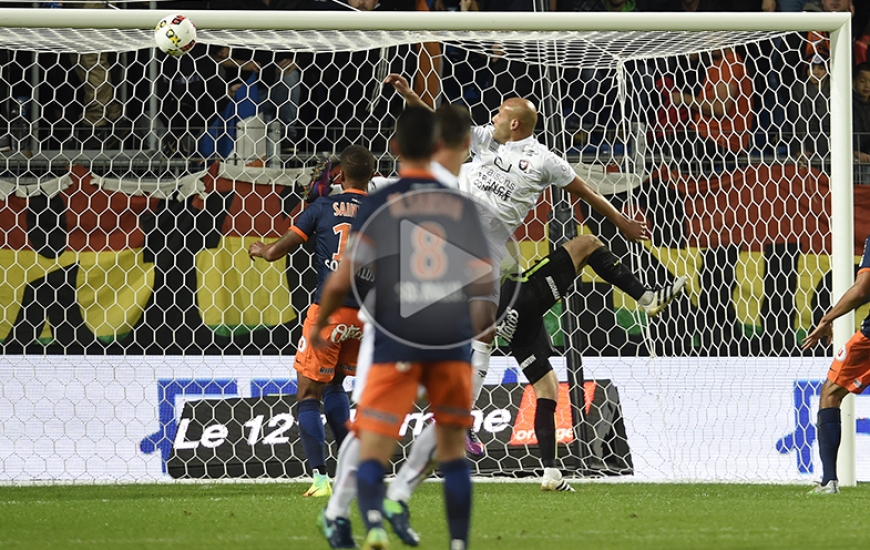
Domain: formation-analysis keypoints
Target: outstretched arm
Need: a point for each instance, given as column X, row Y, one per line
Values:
column 400, row 83
column 288, row 242
column 856, row 296
column 633, row 230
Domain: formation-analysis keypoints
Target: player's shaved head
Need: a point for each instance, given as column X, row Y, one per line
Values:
column 416, row 133
column 524, row 111
column 515, row 120
column 357, row 165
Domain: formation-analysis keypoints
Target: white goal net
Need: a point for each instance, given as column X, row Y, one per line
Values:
column 140, row 342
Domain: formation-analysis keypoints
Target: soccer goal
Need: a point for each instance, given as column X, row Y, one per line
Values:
column 139, row 341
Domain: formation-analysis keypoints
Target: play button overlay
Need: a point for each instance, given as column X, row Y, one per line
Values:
column 424, row 262
column 432, row 259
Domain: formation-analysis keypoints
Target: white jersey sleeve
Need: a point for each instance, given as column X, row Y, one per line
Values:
column 379, row 182
column 481, row 137
column 556, row 170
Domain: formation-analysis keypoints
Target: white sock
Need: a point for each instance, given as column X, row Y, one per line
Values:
column 344, row 487
column 480, row 352
column 414, row 470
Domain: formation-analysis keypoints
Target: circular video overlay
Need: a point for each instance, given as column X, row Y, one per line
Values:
column 434, row 253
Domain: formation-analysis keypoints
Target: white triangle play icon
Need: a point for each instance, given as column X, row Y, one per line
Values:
column 433, row 270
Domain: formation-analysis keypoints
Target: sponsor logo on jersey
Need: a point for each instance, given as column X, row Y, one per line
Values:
column 553, row 288
column 528, row 361
column 496, row 183
column 508, row 327
column 344, row 332
column 500, row 164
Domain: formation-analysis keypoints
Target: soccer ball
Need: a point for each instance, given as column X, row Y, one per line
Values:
column 175, row 35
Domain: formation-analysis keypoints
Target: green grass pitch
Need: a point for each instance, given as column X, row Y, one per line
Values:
column 599, row 515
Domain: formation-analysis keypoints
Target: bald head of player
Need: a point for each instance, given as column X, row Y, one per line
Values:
column 416, row 137
column 515, row 120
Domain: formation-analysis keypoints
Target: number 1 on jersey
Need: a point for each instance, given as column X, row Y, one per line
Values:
column 343, row 231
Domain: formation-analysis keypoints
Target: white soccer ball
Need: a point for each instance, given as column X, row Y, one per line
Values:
column 175, row 35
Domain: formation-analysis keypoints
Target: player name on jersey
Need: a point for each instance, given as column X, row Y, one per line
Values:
column 431, row 204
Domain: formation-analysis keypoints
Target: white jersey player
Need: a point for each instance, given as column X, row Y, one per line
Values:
column 510, row 177
column 508, row 172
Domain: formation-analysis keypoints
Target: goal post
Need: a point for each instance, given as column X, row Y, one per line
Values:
column 134, row 259
column 842, row 230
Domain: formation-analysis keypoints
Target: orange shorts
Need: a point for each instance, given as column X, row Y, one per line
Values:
column 851, row 366
column 343, row 333
column 391, row 389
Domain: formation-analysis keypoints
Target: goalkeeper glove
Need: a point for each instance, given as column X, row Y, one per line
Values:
column 326, row 174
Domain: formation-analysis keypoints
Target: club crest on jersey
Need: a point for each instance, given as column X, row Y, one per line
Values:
column 524, row 165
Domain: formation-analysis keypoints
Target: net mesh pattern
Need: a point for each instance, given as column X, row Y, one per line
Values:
column 140, row 341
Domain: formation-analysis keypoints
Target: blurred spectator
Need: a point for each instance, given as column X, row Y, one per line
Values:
column 500, row 5
column 427, row 80
column 809, row 112
column 685, row 5
column 601, row 5
column 193, row 88
column 789, row 5
column 861, row 121
column 592, row 93
column 862, row 43
column 283, row 78
column 818, row 42
column 720, row 5
column 98, row 92
column 456, row 5
column 723, row 109
column 222, row 137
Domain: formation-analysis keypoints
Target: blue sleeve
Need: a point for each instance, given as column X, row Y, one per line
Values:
column 865, row 260
column 365, row 211
column 306, row 222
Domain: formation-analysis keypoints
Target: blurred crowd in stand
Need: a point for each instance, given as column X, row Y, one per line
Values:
column 723, row 106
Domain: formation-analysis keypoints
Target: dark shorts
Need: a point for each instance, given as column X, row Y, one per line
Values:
column 540, row 287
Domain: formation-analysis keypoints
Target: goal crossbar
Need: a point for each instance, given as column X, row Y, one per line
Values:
column 431, row 21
